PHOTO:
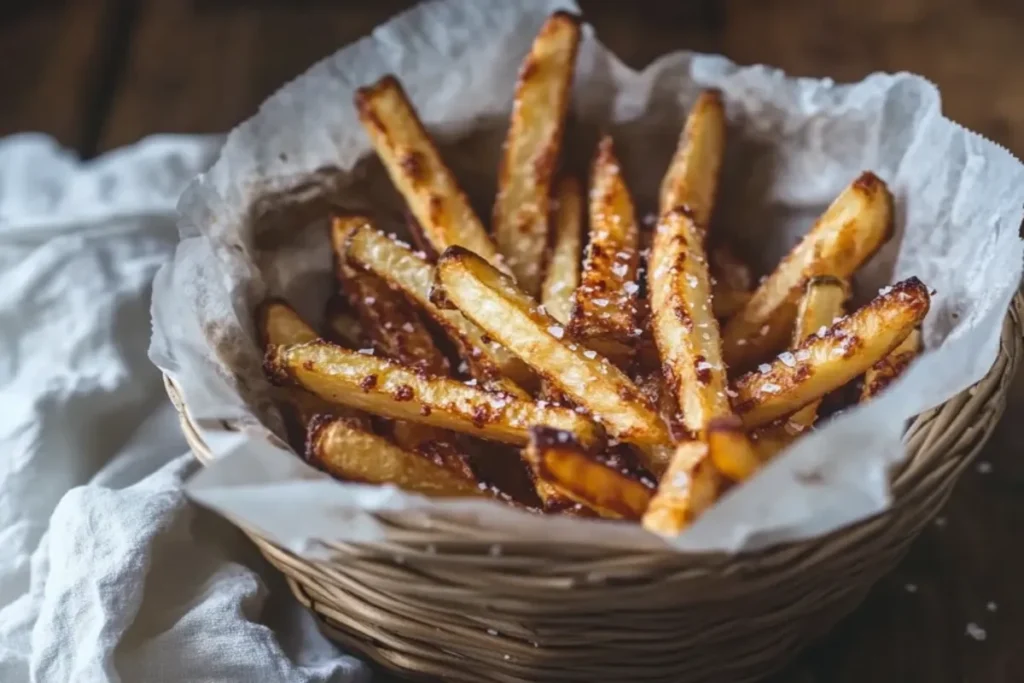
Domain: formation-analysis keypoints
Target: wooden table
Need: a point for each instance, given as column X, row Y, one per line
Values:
column 97, row 74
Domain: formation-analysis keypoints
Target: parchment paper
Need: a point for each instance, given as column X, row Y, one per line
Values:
column 254, row 226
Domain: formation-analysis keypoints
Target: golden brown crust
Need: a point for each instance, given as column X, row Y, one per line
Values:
column 689, row 486
column 350, row 453
column 886, row 371
column 509, row 315
column 825, row 362
column 692, row 177
column 849, row 232
column 416, row 168
column 559, row 460
column 371, row 250
column 382, row 387
column 563, row 272
column 604, row 312
column 520, row 220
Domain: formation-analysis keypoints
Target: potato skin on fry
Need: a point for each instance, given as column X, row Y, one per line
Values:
column 280, row 324
column 692, row 177
column 506, row 313
column 557, row 458
column 347, row 452
column 563, row 271
column 850, row 231
column 531, row 150
column 824, row 363
column 414, row 164
column 605, row 304
column 392, row 390
column 688, row 488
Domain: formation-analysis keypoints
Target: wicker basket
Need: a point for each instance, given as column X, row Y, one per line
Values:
column 446, row 601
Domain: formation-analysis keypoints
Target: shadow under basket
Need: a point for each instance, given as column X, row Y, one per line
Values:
column 448, row 602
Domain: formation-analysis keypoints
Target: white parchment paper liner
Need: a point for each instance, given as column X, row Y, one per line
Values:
column 253, row 226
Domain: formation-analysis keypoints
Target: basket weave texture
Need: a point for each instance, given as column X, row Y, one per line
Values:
column 443, row 600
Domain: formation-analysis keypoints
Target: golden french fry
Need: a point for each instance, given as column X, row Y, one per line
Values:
column 831, row 358
column 688, row 488
column 820, row 305
column 604, row 312
column 531, row 150
column 280, row 324
column 731, row 451
column 387, row 317
column 886, row 371
column 509, row 315
column 692, row 177
column 434, row 196
column 685, row 328
column 559, row 460
column 857, row 223
column 489, row 363
column 360, row 380
column 563, row 271
column 350, row 453
column 439, row 445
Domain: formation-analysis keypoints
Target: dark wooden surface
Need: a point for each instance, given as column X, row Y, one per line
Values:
column 97, row 74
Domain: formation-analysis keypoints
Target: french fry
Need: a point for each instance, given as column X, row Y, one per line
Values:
column 857, row 223
column 563, row 271
column 280, row 324
column 415, row 166
column 731, row 282
column 820, row 305
column 604, row 312
column 692, row 177
column 731, row 451
column 439, row 445
column 688, row 487
column 883, row 373
column 830, row 359
column 387, row 317
column 559, row 460
column 531, row 150
column 341, row 325
column 382, row 387
column 350, row 453
column 685, row 328
column 509, row 315
column 491, row 364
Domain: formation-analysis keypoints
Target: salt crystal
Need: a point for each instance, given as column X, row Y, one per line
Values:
column 741, row 342
column 471, row 382
column 620, row 269
column 463, row 366
column 730, row 393
column 803, row 354
column 420, row 254
column 764, row 368
column 589, row 353
column 482, row 486
column 692, row 280
column 637, row 331
column 680, row 480
column 770, row 388
column 601, row 302
column 370, row 300
column 631, row 287
column 556, row 331
column 975, row 631
column 366, row 352
column 407, row 326
column 562, row 437
column 650, row 219
column 764, row 329
column 704, row 365
column 707, row 337
column 884, row 290
column 787, row 358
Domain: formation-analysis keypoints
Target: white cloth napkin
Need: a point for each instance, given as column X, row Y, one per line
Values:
column 108, row 573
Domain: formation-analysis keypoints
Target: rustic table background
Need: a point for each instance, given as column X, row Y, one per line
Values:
column 97, row 74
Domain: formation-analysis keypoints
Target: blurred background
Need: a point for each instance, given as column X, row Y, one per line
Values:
column 98, row 74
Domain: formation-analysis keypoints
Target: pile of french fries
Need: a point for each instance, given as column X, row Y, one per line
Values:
column 624, row 382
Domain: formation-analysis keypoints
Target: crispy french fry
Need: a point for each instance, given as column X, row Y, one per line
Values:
column 280, row 324
column 688, row 487
column 820, row 305
column 857, row 223
column 563, row 271
column 830, row 359
column 439, row 445
column 341, row 325
column 350, row 453
column 559, row 460
column 685, row 328
column 692, row 177
column 532, row 147
column 491, row 364
column 886, row 371
column 417, row 170
column 605, row 304
column 731, row 282
column 379, row 386
column 731, row 451
column 509, row 315
column 387, row 317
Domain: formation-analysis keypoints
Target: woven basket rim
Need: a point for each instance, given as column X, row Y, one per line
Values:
column 923, row 439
